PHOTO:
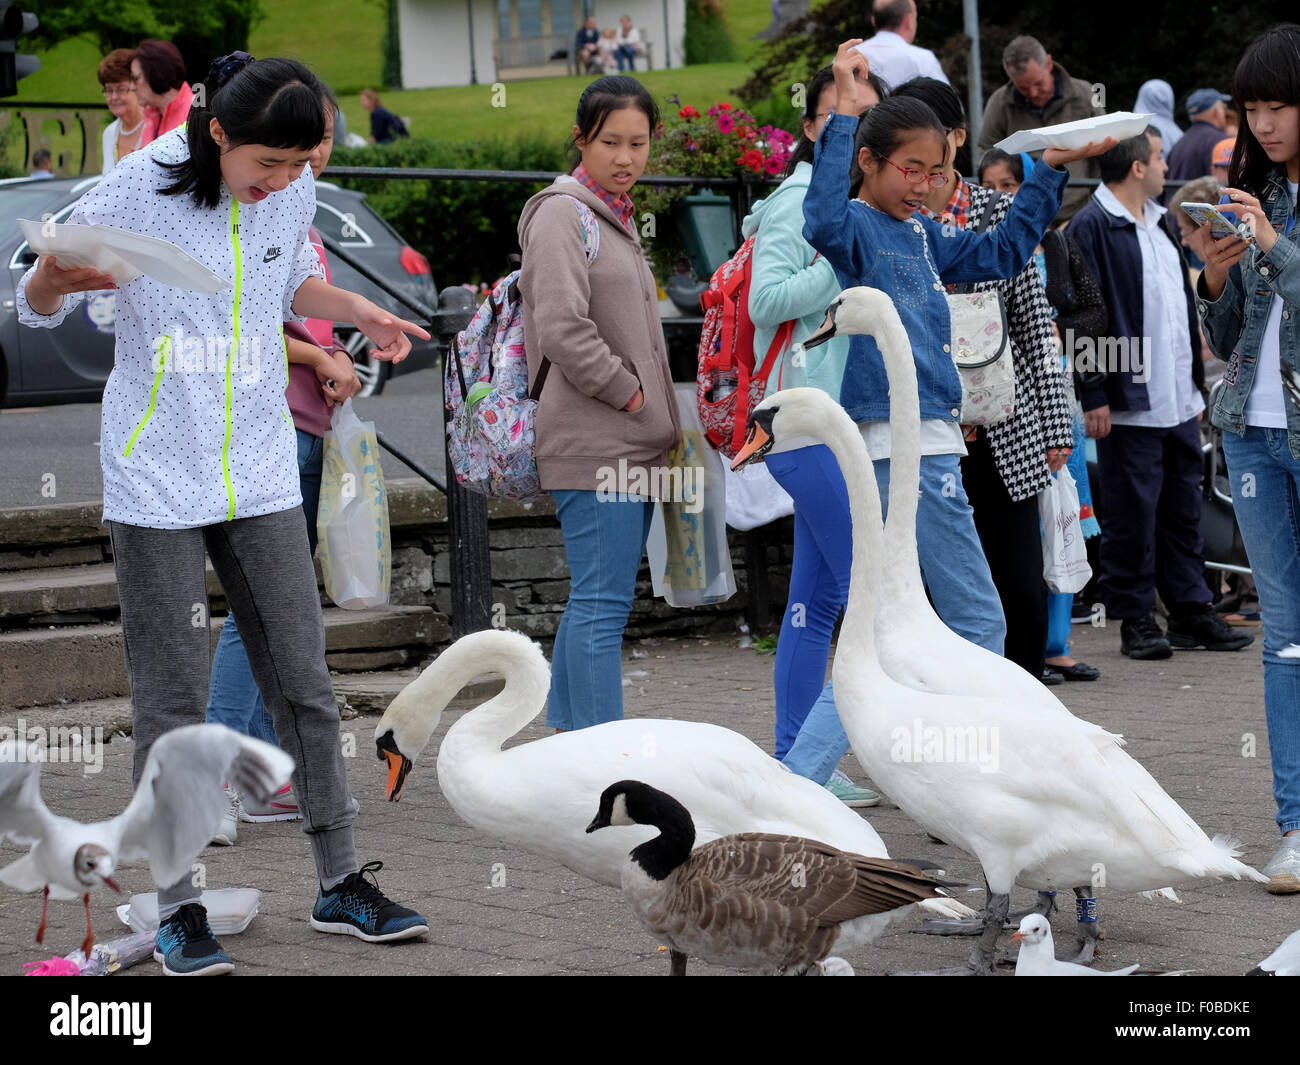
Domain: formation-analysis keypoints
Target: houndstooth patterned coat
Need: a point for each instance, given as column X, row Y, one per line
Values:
column 1044, row 396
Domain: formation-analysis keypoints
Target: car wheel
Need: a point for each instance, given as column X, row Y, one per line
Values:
column 372, row 373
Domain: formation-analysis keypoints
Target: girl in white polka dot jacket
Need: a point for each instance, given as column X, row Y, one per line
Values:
column 199, row 451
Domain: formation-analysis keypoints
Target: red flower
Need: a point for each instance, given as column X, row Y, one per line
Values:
column 723, row 106
column 688, row 112
column 752, row 159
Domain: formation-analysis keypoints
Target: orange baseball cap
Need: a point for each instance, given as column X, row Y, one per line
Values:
column 1222, row 153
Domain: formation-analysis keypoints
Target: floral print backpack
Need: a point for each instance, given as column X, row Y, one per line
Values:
column 489, row 408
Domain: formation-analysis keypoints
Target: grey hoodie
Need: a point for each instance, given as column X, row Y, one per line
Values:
column 1156, row 97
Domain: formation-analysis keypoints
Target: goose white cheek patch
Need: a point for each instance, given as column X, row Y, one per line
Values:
column 618, row 815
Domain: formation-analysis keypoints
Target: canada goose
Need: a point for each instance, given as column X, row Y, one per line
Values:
column 176, row 808
column 753, row 899
column 1059, row 801
column 538, row 796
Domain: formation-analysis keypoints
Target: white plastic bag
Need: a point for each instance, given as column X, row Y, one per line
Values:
column 1065, row 559
column 753, row 496
column 352, row 519
column 690, row 562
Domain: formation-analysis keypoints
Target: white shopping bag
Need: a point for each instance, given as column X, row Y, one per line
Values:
column 1065, row 559
column 352, row 519
column 753, row 496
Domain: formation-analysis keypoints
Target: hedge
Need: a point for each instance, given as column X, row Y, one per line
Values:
column 466, row 229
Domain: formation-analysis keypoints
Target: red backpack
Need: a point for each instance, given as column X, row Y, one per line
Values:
column 726, row 387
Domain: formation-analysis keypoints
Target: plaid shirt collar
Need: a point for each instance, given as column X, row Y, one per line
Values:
column 620, row 205
column 957, row 213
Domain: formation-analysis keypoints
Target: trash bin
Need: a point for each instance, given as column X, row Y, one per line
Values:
column 708, row 228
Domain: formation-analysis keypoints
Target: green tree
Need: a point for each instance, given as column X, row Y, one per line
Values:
column 202, row 31
column 1189, row 43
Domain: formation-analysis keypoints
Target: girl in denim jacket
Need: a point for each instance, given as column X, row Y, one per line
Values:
column 1249, row 299
column 901, row 148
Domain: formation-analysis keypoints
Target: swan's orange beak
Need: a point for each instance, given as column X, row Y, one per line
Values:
column 758, row 441
column 398, row 765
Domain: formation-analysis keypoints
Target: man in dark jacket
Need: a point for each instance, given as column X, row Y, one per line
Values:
column 1144, row 412
column 1040, row 93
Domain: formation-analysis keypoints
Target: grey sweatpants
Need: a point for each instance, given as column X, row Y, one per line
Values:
column 265, row 568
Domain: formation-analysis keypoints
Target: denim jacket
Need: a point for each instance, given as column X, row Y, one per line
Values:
column 1234, row 323
column 910, row 260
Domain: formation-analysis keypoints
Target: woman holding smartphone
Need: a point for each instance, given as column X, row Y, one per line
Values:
column 1249, row 297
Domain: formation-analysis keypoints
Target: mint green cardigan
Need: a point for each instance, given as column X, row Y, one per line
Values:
column 786, row 284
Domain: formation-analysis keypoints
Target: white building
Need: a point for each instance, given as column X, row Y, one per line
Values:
column 458, row 42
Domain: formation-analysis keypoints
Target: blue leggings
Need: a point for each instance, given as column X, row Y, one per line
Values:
column 819, row 582
column 603, row 542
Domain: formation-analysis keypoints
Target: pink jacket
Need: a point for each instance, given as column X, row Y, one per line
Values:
column 307, row 403
column 155, row 124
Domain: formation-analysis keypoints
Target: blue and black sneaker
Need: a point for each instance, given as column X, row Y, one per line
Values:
column 186, row 946
column 356, row 907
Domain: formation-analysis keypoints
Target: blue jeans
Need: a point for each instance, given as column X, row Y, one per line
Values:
column 233, row 697
column 603, row 543
column 1269, row 518
column 957, row 577
column 626, row 54
column 1060, row 616
column 819, row 582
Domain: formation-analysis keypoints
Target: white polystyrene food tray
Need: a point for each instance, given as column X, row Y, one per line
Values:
column 230, row 910
column 123, row 254
column 1068, row 135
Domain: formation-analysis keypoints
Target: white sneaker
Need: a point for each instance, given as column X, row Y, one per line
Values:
column 229, row 830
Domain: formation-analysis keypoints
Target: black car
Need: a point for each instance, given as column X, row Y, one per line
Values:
column 71, row 363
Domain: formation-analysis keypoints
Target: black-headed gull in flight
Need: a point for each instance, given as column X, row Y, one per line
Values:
column 174, row 813
column 1285, row 961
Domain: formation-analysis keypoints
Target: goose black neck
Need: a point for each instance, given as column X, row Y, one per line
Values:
column 661, row 855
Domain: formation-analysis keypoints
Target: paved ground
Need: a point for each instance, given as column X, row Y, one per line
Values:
column 1188, row 720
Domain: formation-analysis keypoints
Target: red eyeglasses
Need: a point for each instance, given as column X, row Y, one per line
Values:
column 914, row 177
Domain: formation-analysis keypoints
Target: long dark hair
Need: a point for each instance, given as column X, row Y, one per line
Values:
column 804, row 148
column 603, row 97
column 273, row 102
column 1270, row 70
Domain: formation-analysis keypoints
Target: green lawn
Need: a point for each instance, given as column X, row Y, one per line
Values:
column 340, row 39
column 466, row 113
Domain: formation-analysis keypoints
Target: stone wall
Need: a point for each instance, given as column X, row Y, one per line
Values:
column 530, row 577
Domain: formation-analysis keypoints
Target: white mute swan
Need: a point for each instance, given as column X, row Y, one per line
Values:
column 752, row 899
column 1040, row 798
column 538, row 796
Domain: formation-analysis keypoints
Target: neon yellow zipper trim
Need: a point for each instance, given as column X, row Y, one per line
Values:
column 234, row 349
column 165, row 342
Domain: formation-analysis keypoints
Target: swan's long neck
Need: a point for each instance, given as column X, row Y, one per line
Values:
column 857, row 634
column 517, row 659
column 902, row 577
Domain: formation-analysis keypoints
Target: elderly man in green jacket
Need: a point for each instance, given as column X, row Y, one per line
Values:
column 1041, row 93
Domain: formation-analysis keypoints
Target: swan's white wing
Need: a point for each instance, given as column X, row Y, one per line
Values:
column 179, row 803
column 24, row 817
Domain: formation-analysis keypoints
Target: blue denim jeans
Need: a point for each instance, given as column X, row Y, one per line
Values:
column 1269, row 517
column 233, row 697
column 958, row 579
column 819, row 582
column 1060, row 616
column 603, row 542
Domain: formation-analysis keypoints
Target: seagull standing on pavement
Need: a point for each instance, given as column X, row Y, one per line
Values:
column 176, row 808
column 1038, row 957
